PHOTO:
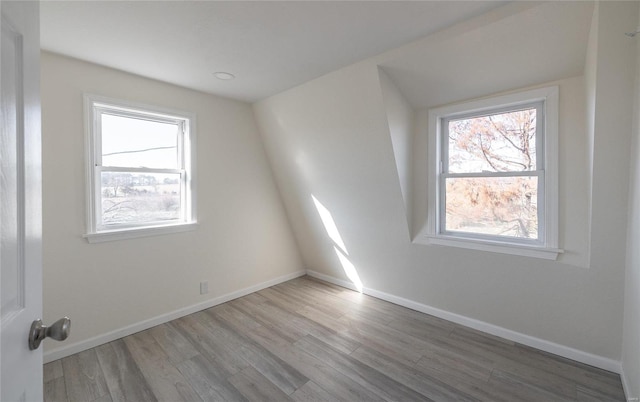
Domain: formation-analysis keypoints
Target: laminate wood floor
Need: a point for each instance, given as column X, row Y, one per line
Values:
column 306, row 340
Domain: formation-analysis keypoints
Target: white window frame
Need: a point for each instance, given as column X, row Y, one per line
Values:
column 546, row 246
column 94, row 107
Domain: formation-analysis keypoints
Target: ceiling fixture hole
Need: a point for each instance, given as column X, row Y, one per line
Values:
column 222, row 75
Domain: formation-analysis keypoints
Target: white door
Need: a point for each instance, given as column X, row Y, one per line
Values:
column 20, row 201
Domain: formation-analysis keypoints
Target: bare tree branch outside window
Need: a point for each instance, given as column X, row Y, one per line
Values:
column 494, row 205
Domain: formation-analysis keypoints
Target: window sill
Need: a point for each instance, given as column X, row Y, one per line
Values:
column 546, row 253
column 129, row 233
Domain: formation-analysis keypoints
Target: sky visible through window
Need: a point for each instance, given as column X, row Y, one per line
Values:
column 130, row 142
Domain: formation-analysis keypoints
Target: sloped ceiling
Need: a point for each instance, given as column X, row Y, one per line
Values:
column 519, row 45
column 270, row 46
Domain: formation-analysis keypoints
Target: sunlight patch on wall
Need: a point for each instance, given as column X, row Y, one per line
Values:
column 349, row 269
column 329, row 224
column 339, row 246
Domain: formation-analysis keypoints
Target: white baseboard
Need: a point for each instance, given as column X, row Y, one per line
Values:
column 541, row 344
column 73, row 348
column 626, row 387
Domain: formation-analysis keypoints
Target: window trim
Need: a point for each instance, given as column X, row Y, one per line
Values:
column 547, row 245
column 94, row 106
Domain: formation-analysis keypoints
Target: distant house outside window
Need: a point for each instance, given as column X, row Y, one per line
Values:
column 140, row 169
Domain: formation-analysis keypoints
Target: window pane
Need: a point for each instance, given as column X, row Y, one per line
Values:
column 130, row 142
column 501, row 206
column 133, row 198
column 503, row 142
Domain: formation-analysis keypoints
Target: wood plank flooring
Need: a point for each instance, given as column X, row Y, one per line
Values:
column 306, row 340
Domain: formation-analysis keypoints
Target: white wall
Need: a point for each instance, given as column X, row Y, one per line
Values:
column 590, row 81
column 612, row 126
column 330, row 138
column 243, row 238
column 631, row 331
column 400, row 118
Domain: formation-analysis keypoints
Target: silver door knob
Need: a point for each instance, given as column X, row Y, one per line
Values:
column 58, row 331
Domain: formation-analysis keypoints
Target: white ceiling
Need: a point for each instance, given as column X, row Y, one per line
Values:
column 269, row 46
column 518, row 45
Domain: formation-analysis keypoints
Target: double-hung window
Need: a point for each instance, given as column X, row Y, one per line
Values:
column 494, row 174
column 139, row 170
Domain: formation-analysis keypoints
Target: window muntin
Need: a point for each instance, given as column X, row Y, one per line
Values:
column 546, row 145
column 491, row 184
column 140, row 166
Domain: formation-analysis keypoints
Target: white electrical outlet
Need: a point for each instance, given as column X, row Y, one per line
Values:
column 204, row 287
